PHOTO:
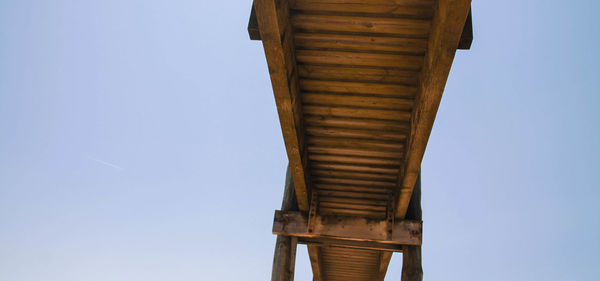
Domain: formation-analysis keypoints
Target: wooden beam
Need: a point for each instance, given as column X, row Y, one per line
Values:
column 446, row 29
column 412, row 270
column 404, row 232
column 365, row 245
column 253, row 25
column 284, row 259
column 467, row 34
column 278, row 42
column 314, row 253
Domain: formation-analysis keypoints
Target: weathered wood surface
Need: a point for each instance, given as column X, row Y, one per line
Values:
column 277, row 37
column 445, row 34
column 405, row 232
column 412, row 270
column 284, row 259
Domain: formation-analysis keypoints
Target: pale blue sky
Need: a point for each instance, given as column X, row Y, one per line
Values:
column 140, row 142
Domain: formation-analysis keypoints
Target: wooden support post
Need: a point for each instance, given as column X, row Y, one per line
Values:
column 412, row 269
column 284, row 259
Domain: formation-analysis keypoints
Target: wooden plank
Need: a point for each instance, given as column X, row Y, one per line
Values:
column 352, row 194
column 405, row 232
column 279, row 52
column 352, row 188
column 393, row 90
column 359, row 74
column 354, row 133
column 284, row 259
column 373, row 183
column 350, row 151
column 406, row 8
column 328, row 242
column 355, row 143
column 357, row 112
column 361, row 43
column 400, row 27
column 412, row 269
column 332, row 158
column 406, row 62
column 445, row 33
column 253, row 31
column 324, row 170
column 393, row 103
column 390, row 174
column 357, row 123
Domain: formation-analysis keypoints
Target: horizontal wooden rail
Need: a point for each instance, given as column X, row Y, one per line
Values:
column 404, row 232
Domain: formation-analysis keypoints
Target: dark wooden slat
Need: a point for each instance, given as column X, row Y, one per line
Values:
column 327, row 180
column 365, row 213
column 354, row 133
column 412, row 8
column 351, row 194
column 354, row 151
column 352, row 188
column 277, row 40
column 361, row 43
column 445, row 33
column 322, row 170
column 355, row 143
column 359, row 74
column 415, row 28
column 408, row 92
column 407, row 62
column 342, row 111
column 344, row 159
column 353, row 202
column 356, row 123
column 390, row 174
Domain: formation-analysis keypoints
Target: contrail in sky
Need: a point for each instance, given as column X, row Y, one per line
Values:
column 106, row 163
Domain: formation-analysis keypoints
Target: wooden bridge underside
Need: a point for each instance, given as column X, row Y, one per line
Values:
column 357, row 85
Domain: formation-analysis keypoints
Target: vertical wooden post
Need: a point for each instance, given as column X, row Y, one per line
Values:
column 284, row 259
column 412, row 269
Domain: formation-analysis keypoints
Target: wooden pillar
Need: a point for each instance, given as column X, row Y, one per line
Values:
column 284, row 259
column 411, row 255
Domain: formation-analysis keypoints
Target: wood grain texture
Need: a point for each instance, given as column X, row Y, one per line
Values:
column 405, row 232
column 367, row 89
column 326, row 57
column 277, row 40
column 446, row 30
column 398, row 27
column 358, row 74
column 361, row 43
column 389, row 8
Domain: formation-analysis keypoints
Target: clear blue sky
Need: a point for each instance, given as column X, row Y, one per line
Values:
column 140, row 141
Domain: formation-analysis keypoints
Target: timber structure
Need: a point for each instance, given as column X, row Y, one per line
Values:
column 357, row 85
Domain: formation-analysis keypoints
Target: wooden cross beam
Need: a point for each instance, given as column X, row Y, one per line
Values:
column 404, row 232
